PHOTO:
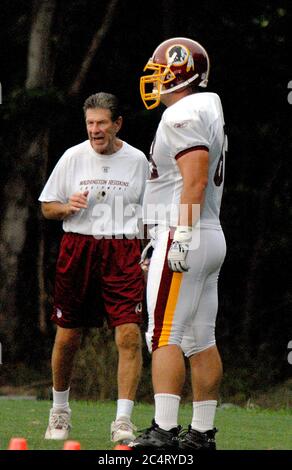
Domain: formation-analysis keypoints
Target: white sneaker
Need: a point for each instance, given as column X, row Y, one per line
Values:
column 59, row 424
column 122, row 430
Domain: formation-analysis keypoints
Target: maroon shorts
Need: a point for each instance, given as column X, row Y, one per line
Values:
column 98, row 279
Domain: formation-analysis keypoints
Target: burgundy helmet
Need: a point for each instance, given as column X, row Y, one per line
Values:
column 175, row 64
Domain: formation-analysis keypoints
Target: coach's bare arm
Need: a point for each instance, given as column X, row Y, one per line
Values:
column 59, row 211
column 193, row 166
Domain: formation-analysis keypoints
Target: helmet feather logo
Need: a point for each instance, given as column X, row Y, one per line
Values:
column 179, row 55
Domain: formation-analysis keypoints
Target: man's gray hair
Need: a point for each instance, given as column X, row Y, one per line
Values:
column 104, row 101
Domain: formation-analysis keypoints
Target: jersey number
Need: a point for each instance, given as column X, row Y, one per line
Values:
column 152, row 164
column 219, row 173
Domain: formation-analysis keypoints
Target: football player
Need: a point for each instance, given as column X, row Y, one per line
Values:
column 182, row 203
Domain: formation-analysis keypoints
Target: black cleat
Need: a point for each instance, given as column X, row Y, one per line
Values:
column 195, row 440
column 157, row 438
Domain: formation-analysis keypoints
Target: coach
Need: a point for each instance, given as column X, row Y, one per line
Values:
column 96, row 188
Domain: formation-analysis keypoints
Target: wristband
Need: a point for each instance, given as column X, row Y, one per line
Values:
column 183, row 234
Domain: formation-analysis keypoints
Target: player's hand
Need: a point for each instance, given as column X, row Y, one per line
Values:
column 177, row 257
column 179, row 249
column 77, row 202
column 146, row 256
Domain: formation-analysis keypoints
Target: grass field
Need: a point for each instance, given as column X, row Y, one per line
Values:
column 240, row 429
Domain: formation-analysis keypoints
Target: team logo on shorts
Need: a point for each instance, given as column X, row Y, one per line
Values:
column 138, row 308
column 59, row 313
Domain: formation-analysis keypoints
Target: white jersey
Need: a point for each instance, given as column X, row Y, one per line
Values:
column 195, row 121
column 115, row 183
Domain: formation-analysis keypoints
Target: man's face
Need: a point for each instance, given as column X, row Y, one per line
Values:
column 102, row 130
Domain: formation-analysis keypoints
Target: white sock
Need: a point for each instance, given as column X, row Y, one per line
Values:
column 61, row 399
column 124, row 407
column 166, row 410
column 203, row 415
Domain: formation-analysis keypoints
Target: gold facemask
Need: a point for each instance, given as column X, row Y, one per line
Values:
column 160, row 76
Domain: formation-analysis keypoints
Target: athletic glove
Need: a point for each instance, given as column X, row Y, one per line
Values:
column 179, row 249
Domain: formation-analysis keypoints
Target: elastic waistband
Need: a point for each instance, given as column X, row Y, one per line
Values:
column 101, row 237
column 202, row 226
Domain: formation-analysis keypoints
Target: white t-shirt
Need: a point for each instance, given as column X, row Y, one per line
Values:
column 194, row 121
column 115, row 183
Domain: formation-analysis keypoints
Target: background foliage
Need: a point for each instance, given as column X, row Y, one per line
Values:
column 41, row 116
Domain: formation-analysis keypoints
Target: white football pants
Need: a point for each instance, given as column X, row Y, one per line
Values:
column 182, row 307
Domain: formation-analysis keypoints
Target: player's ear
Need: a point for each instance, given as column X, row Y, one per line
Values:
column 118, row 123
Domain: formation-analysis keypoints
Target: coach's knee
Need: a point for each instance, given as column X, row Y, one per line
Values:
column 128, row 338
column 68, row 338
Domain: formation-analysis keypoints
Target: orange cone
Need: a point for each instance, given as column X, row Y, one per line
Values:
column 17, row 443
column 122, row 447
column 72, row 445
